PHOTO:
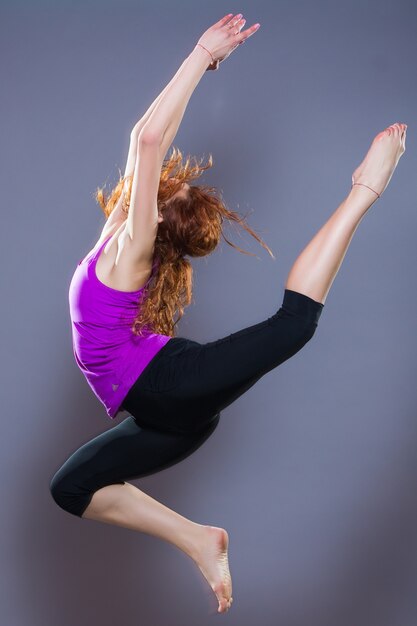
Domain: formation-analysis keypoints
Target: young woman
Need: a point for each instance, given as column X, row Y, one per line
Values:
column 123, row 298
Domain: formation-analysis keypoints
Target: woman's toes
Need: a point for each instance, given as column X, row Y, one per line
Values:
column 223, row 605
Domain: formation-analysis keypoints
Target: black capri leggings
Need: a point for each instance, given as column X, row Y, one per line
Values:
column 175, row 403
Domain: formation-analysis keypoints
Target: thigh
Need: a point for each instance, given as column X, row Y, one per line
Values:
column 152, row 399
column 191, row 382
column 225, row 368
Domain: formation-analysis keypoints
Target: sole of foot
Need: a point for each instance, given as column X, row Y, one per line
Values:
column 212, row 560
column 382, row 158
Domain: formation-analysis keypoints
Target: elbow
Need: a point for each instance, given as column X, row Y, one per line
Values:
column 148, row 136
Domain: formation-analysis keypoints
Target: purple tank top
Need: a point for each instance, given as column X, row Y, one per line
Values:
column 108, row 353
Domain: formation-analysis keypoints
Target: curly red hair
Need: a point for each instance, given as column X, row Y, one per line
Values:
column 192, row 226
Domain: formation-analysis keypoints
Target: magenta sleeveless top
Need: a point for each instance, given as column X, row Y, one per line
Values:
column 108, row 353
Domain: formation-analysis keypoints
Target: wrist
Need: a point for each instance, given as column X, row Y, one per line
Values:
column 203, row 55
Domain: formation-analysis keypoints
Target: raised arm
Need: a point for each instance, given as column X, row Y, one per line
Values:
column 213, row 47
column 136, row 130
column 153, row 142
column 117, row 215
column 142, row 121
column 159, row 130
column 163, row 123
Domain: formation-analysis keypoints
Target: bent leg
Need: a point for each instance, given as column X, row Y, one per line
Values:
column 91, row 484
column 123, row 452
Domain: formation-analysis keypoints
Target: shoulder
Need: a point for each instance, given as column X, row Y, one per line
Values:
column 111, row 227
column 116, row 264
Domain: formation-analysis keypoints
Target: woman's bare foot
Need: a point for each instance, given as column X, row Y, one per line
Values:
column 212, row 561
column 382, row 158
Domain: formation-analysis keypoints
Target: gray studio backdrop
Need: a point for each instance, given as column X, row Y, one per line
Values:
column 313, row 471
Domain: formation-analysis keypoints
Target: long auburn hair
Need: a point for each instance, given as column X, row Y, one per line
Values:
column 192, row 226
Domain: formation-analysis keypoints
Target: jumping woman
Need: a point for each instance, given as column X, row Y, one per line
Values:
column 125, row 294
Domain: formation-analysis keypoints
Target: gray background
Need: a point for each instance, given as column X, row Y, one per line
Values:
column 313, row 471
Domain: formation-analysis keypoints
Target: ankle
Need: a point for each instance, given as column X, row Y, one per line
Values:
column 192, row 540
column 368, row 187
column 361, row 197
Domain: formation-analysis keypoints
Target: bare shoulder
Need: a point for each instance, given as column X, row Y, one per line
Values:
column 117, row 265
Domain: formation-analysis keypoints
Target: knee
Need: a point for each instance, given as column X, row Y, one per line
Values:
column 301, row 314
column 60, row 490
column 305, row 311
column 67, row 494
column 309, row 330
column 298, row 330
column 303, row 332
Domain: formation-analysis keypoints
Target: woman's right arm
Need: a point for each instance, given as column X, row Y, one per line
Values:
column 163, row 123
column 159, row 131
column 217, row 43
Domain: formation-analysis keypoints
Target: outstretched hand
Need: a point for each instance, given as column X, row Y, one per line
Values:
column 225, row 36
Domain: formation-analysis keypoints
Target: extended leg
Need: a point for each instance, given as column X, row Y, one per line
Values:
column 210, row 377
column 316, row 267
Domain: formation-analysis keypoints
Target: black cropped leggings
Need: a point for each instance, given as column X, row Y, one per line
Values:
column 175, row 403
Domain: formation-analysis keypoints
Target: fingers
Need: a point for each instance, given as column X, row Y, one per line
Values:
column 234, row 22
column 240, row 24
column 224, row 20
column 237, row 22
column 227, row 19
column 247, row 33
